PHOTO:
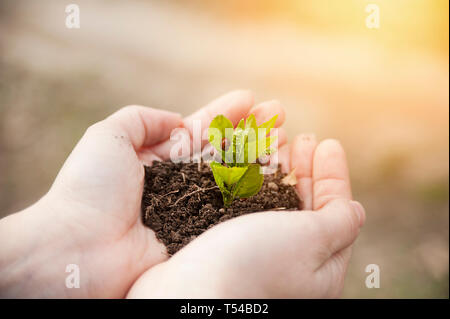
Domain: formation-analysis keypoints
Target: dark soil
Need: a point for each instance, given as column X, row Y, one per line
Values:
column 180, row 201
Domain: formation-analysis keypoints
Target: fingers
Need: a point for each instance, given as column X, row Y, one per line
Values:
column 266, row 110
column 147, row 157
column 263, row 112
column 339, row 223
column 143, row 126
column 339, row 217
column 234, row 105
column 282, row 136
column 282, row 157
column 330, row 176
column 301, row 158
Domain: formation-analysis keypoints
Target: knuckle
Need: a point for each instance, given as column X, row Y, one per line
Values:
column 352, row 221
column 350, row 217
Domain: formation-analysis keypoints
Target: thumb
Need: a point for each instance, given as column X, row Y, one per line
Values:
column 143, row 126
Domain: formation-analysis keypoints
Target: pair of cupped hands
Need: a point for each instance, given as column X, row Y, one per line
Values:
column 91, row 218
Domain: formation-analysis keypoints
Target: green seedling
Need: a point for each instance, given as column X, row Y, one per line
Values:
column 239, row 176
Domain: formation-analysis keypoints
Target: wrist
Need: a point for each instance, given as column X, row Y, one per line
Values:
column 30, row 255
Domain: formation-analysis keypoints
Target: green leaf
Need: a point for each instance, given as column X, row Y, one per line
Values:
column 270, row 151
column 241, row 124
column 218, row 176
column 218, row 130
column 255, row 150
column 238, row 177
column 250, row 122
column 239, row 140
column 229, row 175
column 269, row 124
column 263, row 149
column 250, row 183
column 226, row 178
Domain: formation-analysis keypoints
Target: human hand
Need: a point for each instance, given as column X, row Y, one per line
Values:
column 273, row 254
column 91, row 215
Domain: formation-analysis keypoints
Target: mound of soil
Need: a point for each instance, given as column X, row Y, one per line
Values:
column 181, row 201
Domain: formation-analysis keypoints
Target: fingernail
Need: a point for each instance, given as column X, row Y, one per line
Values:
column 359, row 209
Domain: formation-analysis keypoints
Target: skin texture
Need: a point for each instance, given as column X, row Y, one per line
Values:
column 91, row 217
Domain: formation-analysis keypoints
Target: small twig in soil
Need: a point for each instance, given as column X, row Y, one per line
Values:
column 184, row 177
column 172, row 192
column 199, row 189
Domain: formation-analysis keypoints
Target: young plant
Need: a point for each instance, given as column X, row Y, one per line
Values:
column 239, row 176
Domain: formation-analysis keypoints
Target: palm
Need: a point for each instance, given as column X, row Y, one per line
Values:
column 255, row 255
column 100, row 188
column 281, row 245
column 93, row 210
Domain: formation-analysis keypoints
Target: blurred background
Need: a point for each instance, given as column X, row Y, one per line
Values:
column 382, row 92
